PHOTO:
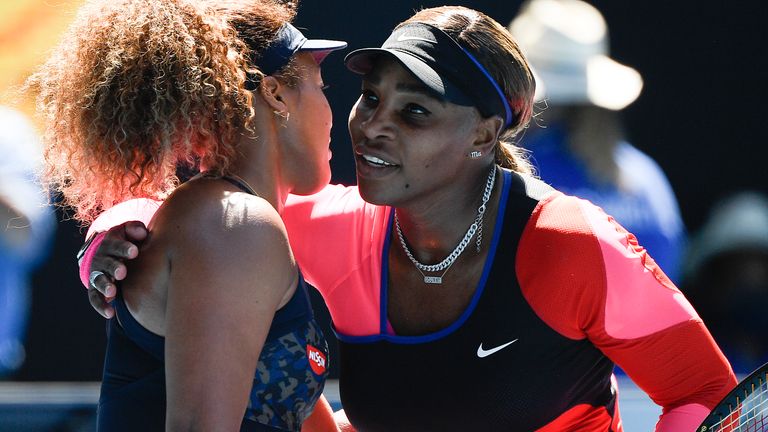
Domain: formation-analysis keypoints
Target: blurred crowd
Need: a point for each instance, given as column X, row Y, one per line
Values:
column 26, row 228
column 726, row 277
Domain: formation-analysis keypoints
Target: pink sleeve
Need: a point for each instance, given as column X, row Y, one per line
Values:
column 139, row 209
column 337, row 239
column 610, row 291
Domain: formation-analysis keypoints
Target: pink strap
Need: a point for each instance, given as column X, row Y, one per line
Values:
column 85, row 263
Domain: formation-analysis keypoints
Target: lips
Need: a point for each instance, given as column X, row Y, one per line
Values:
column 372, row 166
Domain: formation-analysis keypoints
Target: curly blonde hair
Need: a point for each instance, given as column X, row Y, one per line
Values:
column 137, row 87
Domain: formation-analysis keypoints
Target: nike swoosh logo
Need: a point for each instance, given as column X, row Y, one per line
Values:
column 405, row 38
column 485, row 353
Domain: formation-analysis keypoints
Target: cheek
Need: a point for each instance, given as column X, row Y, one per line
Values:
column 317, row 120
column 440, row 151
column 354, row 118
column 325, row 110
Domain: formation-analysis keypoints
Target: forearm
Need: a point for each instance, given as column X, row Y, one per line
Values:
column 681, row 369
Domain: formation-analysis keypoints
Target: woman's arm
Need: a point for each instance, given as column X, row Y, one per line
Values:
column 648, row 327
column 329, row 232
column 610, row 291
column 328, row 218
column 119, row 230
column 225, row 284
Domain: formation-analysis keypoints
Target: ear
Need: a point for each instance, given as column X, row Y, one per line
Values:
column 487, row 134
column 271, row 90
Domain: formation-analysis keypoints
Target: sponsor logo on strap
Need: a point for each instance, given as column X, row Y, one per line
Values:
column 317, row 360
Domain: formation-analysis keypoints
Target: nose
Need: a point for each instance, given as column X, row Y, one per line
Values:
column 375, row 124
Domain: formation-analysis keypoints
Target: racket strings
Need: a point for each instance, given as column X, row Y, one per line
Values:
column 749, row 414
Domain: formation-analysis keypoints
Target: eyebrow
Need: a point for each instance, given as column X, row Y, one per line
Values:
column 407, row 87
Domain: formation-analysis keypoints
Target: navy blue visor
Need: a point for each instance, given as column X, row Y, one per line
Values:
column 289, row 41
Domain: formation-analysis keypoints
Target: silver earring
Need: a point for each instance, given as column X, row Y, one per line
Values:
column 475, row 154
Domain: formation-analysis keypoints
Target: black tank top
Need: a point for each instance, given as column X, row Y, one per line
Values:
column 496, row 369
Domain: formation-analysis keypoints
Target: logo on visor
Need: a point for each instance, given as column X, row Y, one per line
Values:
column 402, row 38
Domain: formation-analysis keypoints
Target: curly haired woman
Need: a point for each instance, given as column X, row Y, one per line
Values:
column 215, row 331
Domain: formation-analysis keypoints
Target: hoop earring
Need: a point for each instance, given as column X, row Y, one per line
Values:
column 475, row 154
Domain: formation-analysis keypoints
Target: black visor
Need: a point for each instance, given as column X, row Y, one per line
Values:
column 441, row 64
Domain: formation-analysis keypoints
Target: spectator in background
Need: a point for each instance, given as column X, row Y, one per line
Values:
column 726, row 278
column 26, row 225
column 580, row 148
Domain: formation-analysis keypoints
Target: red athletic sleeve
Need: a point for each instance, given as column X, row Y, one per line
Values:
column 587, row 277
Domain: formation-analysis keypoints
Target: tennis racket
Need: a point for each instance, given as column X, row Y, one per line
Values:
column 744, row 409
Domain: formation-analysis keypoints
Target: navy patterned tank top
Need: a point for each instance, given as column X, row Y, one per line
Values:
column 288, row 380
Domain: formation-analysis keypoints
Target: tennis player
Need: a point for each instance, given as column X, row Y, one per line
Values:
column 467, row 294
column 213, row 333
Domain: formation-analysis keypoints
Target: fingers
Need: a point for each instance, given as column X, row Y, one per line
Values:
column 111, row 266
column 117, row 244
column 103, row 284
column 101, row 303
column 135, row 231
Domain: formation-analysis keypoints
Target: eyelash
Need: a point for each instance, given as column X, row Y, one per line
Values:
column 370, row 99
column 367, row 96
column 415, row 107
column 325, row 87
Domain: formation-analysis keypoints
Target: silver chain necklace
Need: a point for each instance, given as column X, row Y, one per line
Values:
column 476, row 227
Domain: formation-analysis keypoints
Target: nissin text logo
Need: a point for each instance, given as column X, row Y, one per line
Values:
column 317, row 360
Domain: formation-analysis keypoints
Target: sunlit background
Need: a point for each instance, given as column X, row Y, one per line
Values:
column 28, row 30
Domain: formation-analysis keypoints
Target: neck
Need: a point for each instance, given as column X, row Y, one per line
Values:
column 258, row 164
column 434, row 230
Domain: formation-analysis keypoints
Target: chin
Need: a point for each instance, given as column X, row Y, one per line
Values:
column 313, row 187
column 372, row 194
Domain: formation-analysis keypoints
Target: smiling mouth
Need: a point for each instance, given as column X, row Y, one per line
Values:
column 376, row 162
